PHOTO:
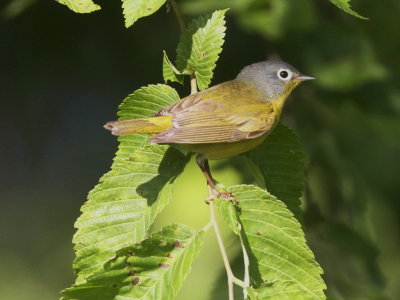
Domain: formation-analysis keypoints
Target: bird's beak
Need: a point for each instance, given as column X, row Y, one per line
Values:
column 303, row 78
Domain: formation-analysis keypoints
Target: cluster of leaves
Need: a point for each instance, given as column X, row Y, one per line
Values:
column 115, row 256
column 135, row 9
column 198, row 50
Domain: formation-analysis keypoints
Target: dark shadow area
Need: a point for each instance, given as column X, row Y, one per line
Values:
column 172, row 164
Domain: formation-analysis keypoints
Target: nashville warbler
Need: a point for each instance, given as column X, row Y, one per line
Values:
column 225, row 120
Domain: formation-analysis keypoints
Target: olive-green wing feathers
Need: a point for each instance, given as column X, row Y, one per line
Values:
column 228, row 112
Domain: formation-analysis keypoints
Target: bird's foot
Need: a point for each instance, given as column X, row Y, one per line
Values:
column 221, row 195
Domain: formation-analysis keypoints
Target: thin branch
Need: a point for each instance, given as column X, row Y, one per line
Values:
column 178, row 14
column 193, row 85
column 208, row 226
column 246, row 279
column 228, row 269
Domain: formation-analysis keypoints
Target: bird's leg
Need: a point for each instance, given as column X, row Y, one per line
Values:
column 202, row 162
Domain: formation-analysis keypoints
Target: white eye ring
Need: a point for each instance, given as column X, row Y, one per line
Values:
column 284, row 74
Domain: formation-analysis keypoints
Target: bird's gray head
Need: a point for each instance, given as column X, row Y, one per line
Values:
column 273, row 77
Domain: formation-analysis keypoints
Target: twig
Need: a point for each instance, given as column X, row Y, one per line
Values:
column 228, row 269
column 178, row 14
column 246, row 279
column 193, row 85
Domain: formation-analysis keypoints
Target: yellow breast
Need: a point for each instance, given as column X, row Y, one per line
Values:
column 224, row 150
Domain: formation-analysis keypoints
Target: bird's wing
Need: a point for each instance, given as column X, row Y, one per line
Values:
column 229, row 112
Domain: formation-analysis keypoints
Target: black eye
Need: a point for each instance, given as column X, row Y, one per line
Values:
column 283, row 74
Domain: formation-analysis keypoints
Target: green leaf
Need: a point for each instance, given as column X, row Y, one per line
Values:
column 256, row 172
column 170, row 72
column 154, row 269
column 345, row 5
column 142, row 103
column 279, row 290
column 135, row 9
column 229, row 212
column 125, row 203
column 281, row 264
column 281, row 161
column 199, row 47
column 80, row 6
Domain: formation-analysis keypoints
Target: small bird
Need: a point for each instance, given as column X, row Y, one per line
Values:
column 225, row 120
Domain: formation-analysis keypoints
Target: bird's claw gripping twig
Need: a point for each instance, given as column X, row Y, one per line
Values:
column 221, row 195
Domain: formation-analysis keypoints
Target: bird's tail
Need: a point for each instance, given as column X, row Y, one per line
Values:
column 152, row 125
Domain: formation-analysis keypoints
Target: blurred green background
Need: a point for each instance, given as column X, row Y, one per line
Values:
column 62, row 76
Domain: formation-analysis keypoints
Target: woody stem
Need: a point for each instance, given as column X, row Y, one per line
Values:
column 178, row 14
column 225, row 259
column 193, row 85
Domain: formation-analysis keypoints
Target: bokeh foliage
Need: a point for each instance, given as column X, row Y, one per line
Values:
column 348, row 121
